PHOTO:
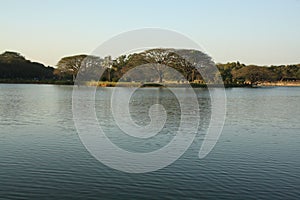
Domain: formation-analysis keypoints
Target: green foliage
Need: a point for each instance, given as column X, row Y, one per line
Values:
column 252, row 74
column 69, row 65
column 193, row 65
column 13, row 66
column 89, row 66
column 240, row 73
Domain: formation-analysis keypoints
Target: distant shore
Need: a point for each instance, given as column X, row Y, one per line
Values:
column 141, row 84
column 156, row 84
column 50, row 82
column 15, row 68
column 281, row 83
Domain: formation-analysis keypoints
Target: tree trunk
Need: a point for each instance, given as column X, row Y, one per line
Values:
column 108, row 74
column 160, row 80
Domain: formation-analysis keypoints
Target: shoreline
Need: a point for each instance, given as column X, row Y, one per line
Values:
column 280, row 84
column 148, row 85
column 50, row 82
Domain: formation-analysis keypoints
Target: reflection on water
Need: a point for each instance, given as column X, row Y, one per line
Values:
column 257, row 156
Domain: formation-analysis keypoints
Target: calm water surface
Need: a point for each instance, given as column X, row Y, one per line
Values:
column 256, row 157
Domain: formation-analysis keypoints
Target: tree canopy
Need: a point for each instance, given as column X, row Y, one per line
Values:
column 14, row 66
column 193, row 65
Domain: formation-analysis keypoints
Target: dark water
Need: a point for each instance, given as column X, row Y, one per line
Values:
column 256, row 157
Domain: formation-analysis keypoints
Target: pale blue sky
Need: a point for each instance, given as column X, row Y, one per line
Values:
column 251, row 31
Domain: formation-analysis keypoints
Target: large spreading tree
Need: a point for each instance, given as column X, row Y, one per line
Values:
column 89, row 66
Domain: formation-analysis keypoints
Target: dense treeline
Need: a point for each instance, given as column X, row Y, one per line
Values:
column 14, row 67
column 231, row 73
column 239, row 73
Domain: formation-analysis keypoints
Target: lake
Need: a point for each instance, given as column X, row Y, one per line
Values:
column 256, row 157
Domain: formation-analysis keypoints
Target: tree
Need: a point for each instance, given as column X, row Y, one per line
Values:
column 107, row 63
column 180, row 60
column 253, row 74
column 157, row 58
column 117, row 65
column 70, row 65
column 194, row 63
column 186, row 62
column 14, row 66
column 91, row 66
